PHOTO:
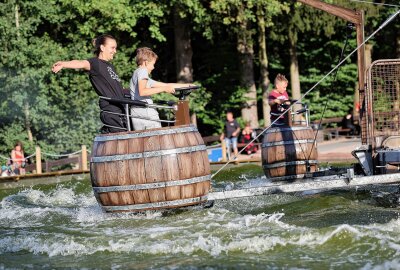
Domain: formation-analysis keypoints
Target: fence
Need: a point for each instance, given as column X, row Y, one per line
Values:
column 79, row 158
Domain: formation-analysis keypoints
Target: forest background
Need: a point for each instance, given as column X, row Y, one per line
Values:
column 232, row 48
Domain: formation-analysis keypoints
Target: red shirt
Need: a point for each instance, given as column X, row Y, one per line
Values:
column 277, row 108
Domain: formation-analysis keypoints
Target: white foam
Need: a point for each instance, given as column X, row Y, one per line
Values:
column 391, row 264
column 214, row 231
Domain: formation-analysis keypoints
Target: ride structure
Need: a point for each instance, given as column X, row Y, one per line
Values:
column 379, row 155
column 169, row 168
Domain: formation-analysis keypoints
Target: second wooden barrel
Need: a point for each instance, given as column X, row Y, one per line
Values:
column 150, row 169
column 289, row 152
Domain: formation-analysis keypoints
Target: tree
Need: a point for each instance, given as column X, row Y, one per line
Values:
column 266, row 11
column 239, row 15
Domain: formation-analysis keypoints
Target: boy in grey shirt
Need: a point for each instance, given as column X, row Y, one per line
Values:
column 142, row 87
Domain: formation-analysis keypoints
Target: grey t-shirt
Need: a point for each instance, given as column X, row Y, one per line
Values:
column 140, row 74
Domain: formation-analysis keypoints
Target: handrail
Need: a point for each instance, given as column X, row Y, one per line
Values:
column 138, row 103
column 129, row 102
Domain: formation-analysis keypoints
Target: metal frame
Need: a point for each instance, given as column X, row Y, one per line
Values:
column 127, row 103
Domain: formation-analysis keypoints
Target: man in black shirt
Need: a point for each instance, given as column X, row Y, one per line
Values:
column 104, row 80
column 231, row 133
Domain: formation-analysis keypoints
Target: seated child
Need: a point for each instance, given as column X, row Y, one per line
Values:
column 247, row 136
column 142, row 87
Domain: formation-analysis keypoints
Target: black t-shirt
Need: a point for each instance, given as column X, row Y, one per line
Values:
column 105, row 82
column 230, row 127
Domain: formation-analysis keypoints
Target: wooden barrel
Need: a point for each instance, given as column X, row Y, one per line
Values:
column 289, row 153
column 150, row 169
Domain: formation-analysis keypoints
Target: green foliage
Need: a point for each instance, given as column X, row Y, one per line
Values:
column 61, row 110
column 10, row 135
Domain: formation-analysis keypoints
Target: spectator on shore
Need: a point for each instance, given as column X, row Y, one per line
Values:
column 248, row 134
column 18, row 159
column 230, row 134
column 348, row 122
column 6, row 171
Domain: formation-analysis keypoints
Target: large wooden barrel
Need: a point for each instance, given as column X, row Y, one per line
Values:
column 150, row 169
column 289, row 153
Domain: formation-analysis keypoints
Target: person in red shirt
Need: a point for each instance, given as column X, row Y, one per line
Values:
column 277, row 98
column 248, row 135
column 18, row 159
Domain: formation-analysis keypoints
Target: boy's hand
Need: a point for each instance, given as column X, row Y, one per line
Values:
column 169, row 89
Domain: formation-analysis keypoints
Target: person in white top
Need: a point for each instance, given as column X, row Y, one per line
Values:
column 142, row 87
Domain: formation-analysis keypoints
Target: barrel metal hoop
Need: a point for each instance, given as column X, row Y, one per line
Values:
column 149, row 154
column 153, row 185
column 287, row 142
column 291, row 163
column 274, row 129
column 155, row 205
column 145, row 134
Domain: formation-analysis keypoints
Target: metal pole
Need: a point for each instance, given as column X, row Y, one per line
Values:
column 128, row 120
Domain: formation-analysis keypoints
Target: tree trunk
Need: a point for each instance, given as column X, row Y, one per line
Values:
column 26, row 104
column 28, row 122
column 264, row 80
column 246, row 56
column 183, row 53
column 368, row 54
column 183, row 49
column 294, row 73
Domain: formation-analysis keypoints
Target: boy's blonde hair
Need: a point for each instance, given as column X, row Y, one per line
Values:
column 145, row 54
column 280, row 78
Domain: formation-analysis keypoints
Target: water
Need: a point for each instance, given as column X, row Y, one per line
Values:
column 62, row 226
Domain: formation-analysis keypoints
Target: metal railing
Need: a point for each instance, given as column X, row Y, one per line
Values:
column 128, row 103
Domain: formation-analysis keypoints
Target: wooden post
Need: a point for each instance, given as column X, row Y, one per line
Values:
column 288, row 118
column 84, row 158
column 223, row 146
column 182, row 114
column 38, row 160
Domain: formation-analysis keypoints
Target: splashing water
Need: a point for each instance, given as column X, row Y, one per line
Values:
column 63, row 226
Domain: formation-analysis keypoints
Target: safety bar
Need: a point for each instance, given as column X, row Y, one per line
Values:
column 129, row 102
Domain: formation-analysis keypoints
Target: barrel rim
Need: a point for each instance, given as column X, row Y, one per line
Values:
column 144, row 133
column 278, row 143
column 145, row 206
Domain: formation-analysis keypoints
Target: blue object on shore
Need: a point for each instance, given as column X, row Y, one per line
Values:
column 214, row 154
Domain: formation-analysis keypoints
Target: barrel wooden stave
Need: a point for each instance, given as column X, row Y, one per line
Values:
column 169, row 172
column 286, row 146
column 137, row 172
column 151, row 170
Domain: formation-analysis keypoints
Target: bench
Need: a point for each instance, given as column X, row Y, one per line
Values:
column 330, row 132
column 333, row 131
